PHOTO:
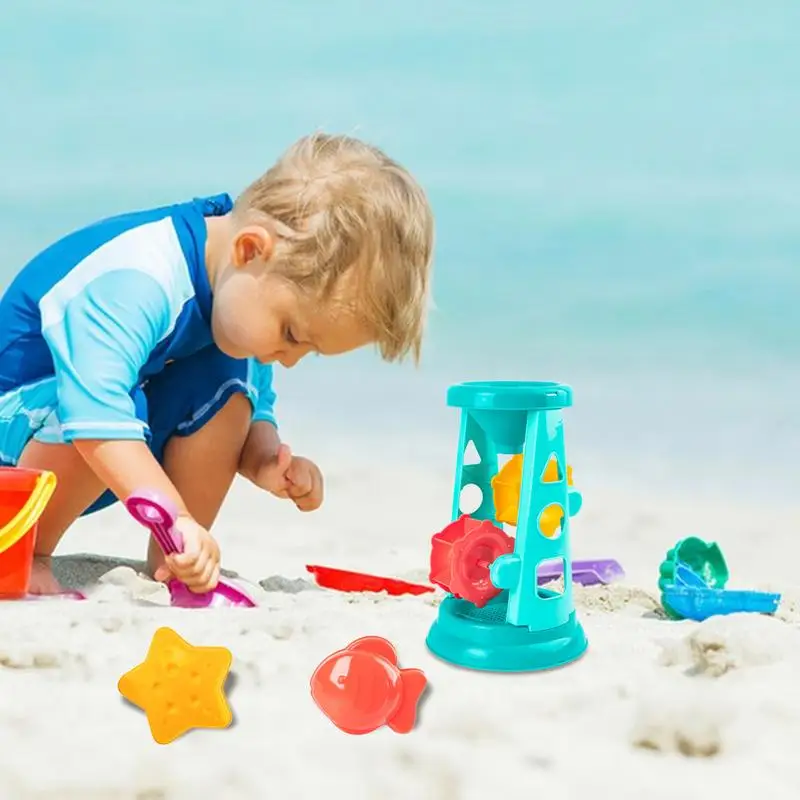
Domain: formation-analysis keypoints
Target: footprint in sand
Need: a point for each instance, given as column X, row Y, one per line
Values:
column 738, row 641
column 677, row 720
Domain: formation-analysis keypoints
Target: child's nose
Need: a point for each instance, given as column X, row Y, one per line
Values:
column 290, row 357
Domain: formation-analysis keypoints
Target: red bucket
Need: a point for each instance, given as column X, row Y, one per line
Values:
column 24, row 495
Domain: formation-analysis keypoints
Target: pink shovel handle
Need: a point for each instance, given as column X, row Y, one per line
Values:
column 159, row 514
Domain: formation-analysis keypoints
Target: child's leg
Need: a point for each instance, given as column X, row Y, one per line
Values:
column 76, row 489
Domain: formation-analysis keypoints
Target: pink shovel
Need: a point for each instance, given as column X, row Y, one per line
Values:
column 159, row 514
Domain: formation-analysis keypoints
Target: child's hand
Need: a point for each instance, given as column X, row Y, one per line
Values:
column 198, row 565
column 294, row 477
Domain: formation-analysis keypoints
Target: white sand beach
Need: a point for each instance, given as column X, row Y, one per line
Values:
column 655, row 709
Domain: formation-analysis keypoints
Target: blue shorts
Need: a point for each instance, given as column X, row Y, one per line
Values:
column 177, row 402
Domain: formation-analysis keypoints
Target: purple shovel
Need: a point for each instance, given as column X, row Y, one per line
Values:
column 159, row 514
column 587, row 573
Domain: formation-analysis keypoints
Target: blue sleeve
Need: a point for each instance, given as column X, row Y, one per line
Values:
column 100, row 338
column 260, row 379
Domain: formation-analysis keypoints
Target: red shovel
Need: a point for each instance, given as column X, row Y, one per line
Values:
column 345, row 581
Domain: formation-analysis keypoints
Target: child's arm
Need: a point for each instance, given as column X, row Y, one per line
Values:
column 268, row 463
column 263, row 441
column 101, row 328
column 126, row 466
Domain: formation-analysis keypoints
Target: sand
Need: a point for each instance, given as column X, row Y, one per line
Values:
column 656, row 709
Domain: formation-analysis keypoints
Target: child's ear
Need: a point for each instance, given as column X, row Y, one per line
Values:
column 253, row 242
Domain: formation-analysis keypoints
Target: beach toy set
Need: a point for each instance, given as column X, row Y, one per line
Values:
column 693, row 578
column 509, row 605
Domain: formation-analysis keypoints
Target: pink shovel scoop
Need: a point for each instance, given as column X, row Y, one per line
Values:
column 159, row 514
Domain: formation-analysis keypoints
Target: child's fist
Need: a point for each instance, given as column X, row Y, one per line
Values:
column 294, row 477
column 305, row 483
column 198, row 565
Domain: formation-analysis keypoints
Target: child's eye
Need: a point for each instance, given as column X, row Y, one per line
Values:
column 289, row 336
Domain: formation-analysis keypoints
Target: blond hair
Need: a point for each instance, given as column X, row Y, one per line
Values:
column 350, row 221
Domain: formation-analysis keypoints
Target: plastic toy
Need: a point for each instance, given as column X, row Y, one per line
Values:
column 462, row 554
column 345, row 581
column 692, row 581
column 587, row 573
column 506, row 488
column 361, row 688
column 24, row 495
column 179, row 686
column 521, row 626
column 704, row 559
column 699, row 604
column 158, row 514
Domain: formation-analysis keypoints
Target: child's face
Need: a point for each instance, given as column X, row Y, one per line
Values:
column 259, row 314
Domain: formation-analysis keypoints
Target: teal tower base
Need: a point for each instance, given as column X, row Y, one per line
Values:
column 526, row 627
column 481, row 639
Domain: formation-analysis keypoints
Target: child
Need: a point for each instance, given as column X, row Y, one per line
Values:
column 137, row 352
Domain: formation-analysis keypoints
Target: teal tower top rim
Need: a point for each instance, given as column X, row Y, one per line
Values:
column 510, row 395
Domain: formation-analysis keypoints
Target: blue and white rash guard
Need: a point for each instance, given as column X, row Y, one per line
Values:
column 95, row 316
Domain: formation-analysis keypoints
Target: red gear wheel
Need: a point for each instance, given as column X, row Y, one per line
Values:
column 463, row 553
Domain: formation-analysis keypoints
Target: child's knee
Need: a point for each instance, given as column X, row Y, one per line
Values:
column 236, row 414
column 223, row 431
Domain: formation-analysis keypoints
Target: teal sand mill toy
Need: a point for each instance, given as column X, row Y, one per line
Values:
column 496, row 616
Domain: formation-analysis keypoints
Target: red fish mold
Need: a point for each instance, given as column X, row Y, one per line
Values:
column 361, row 688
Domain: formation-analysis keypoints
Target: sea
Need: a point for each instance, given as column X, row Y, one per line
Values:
column 616, row 186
